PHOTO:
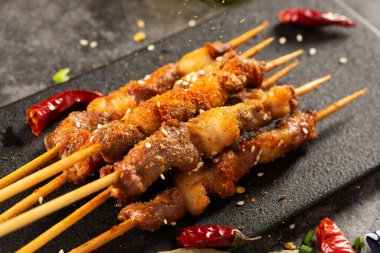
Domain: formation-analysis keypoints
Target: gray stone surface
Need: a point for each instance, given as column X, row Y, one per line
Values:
column 38, row 38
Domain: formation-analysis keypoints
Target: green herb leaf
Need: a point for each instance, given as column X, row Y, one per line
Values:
column 305, row 249
column 61, row 76
column 359, row 243
column 5, row 158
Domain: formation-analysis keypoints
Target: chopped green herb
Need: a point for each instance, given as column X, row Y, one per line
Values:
column 359, row 243
column 308, row 236
column 62, row 75
column 305, row 249
column 5, row 158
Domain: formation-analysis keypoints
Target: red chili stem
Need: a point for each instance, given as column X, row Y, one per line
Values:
column 40, row 115
column 314, row 18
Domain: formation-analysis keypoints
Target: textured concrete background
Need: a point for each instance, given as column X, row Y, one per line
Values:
column 39, row 37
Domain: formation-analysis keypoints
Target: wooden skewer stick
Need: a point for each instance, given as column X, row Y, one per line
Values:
column 312, row 85
column 57, row 229
column 69, row 161
column 254, row 50
column 327, row 111
column 127, row 225
column 47, row 172
column 29, row 167
column 278, row 75
column 45, row 190
column 246, row 36
column 50, row 154
column 102, row 197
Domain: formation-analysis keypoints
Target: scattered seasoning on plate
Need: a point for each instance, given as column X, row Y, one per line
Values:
column 282, row 40
column 299, row 37
column 140, row 23
column 192, row 23
column 83, row 42
column 93, row 44
column 312, row 51
column 242, row 20
column 151, row 47
column 343, row 60
column 253, row 199
column 260, row 174
column 61, row 251
column 240, row 203
column 139, row 36
column 292, row 226
column 289, row 245
column 61, row 76
column 240, row 189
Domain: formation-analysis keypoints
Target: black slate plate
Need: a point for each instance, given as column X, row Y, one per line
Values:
column 347, row 149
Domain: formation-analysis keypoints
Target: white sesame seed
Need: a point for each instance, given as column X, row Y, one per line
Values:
column 61, row 251
column 200, row 165
column 173, row 223
column 214, row 153
column 253, row 148
column 292, row 226
column 148, row 145
column 99, row 126
column 77, row 124
column 280, row 143
column 147, row 77
column 202, row 72
column 282, row 40
column 186, row 83
column 140, row 82
column 194, row 79
column 158, row 104
column 164, row 131
column 265, row 116
column 151, row 47
column 305, row 131
column 192, row 23
column 260, row 174
column 219, row 58
column 83, row 42
column 343, row 60
column 299, row 37
column 129, row 110
column 201, row 111
column 242, row 20
column 312, row 51
column 140, row 23
column 93, row 44
column 40, row 199
column 240, row 203
column 165, row 221
column 162, row 176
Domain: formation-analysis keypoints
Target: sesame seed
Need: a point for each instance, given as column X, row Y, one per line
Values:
column 201, row 111
column 292, row 226
column 240, row 203
column 312, row 51
column 140, row 23
column 158, row 104
column 173, row 223
column 139, row 36
column 219, row 58
column 93, row 44
column 253, row 148
column 147, row 77
column 214, row 153
column 151, row 47
column 299, row 37
column 162, row 176
column 129, row 110
column 199, row 165
column 215, row 160
column 282, row 40
column 240, row 189
column 186, row 83
column 242, row 20
column 265, row 116
column 61, row 251
column 40, row 199
column 140, row 82
column 343, row 60
column 165, row 221
column 164, row 131
column 305, row 131
column 194, row 79
column 202, row 72
column 280, row 143
column 192, row 23
column 148, row 145
column 77, row 124
column 99, row 126
column 83, row 42
column 260, row 174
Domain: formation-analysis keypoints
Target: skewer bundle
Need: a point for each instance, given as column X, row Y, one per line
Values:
column 186, row 117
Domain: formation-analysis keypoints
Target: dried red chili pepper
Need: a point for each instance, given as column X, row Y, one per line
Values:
column 314, row 18
column 331, row 239
column 40, row 115
column 212, row 236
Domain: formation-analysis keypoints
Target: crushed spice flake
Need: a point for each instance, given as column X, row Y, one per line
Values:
column 289, row 245
column 140, row 23
column 240, row 189
column 253, row 199
column 139, row 36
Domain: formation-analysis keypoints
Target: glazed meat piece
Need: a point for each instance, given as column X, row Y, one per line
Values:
column 219, row 177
